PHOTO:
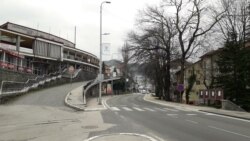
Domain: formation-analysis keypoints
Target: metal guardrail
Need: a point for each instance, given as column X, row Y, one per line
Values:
column 90, row 84
column 21, row 87
column 71, row 76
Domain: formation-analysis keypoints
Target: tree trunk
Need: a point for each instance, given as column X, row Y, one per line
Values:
column 182, row 75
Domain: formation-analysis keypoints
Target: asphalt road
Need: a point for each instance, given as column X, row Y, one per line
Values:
column 131, row 114
column 53, row 96
column 42, row 116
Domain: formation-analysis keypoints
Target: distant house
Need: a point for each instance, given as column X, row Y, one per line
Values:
column 175, row 77
column 209, row 67
column 113, row 68
column 205, row 70
column 197, row 69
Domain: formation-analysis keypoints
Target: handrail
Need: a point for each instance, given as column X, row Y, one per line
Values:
column 76, row 72
column 27, row 82
column 95, row 82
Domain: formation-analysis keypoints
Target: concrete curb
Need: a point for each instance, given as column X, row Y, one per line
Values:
column 222, row 114
column 71, row 105
column 169, row 105
column 225, row 115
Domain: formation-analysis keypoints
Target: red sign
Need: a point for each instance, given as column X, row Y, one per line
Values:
column 202, row 93
column 212, row 94
column 219, row 95
column 206, row 94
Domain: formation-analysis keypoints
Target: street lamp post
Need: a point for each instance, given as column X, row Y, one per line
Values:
column 100, row 62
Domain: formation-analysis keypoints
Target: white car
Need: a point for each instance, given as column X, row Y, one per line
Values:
column 143, row 91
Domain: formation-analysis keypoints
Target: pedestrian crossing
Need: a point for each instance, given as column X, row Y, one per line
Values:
column 142, row 109
column 171, row 112
column 127, row 109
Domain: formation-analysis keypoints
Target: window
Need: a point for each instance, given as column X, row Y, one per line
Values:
column 1, row 55
column 198, row 82
column 197, row 71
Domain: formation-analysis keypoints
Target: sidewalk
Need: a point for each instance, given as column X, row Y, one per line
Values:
column 235, row 114
column 74, row 99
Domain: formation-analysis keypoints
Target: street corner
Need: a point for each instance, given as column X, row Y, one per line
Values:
column 122, row 137
column 72, row 103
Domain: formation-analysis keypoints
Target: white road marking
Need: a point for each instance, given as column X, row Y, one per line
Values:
column 192, row 121
column 115, row 109
column 138, row 109
column 224, row 116
column 145, row 137
column 173, row 110
column 229, row 131
column 149, row 109
column 172, row 114
column 191, row 114
column 183, row 109
column 104, row 103
column 160, row 109
column 127, row 109
column 209, row 114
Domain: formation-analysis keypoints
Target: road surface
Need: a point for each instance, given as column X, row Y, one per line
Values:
column 131, row 114
column 42, row 116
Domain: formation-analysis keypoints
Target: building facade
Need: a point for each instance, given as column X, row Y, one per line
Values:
column 28, row 50
column 206, row 70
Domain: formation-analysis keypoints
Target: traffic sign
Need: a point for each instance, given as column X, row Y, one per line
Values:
column 180, row 87
column 71, row 70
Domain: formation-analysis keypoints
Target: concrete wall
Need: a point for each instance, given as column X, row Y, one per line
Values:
column 14, row 76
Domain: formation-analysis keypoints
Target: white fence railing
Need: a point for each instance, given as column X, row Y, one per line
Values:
column 96, row 82
column 67, row 75
column 21, row 87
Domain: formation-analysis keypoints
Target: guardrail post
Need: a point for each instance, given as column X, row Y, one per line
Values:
column 1, row 90
column 84, row 97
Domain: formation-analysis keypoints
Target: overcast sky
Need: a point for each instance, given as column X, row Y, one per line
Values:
column 59, row 17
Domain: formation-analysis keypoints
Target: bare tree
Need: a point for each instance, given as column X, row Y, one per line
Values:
column 154, row 45
column 235, row 22
column 193, row 19
column 233, row 26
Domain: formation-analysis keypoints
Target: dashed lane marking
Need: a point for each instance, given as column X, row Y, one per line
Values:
column 220, row 129
column 127, row 109
column 138, row 109
column 149, row 109
column 194, row 122
column 115, row 109
column 161, row 109
column 172, row 114
column 191, row 114
column 173, row 110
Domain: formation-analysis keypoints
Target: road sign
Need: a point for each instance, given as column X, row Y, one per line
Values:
column 180, row 87
column 100, row 77
column 71, row 70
